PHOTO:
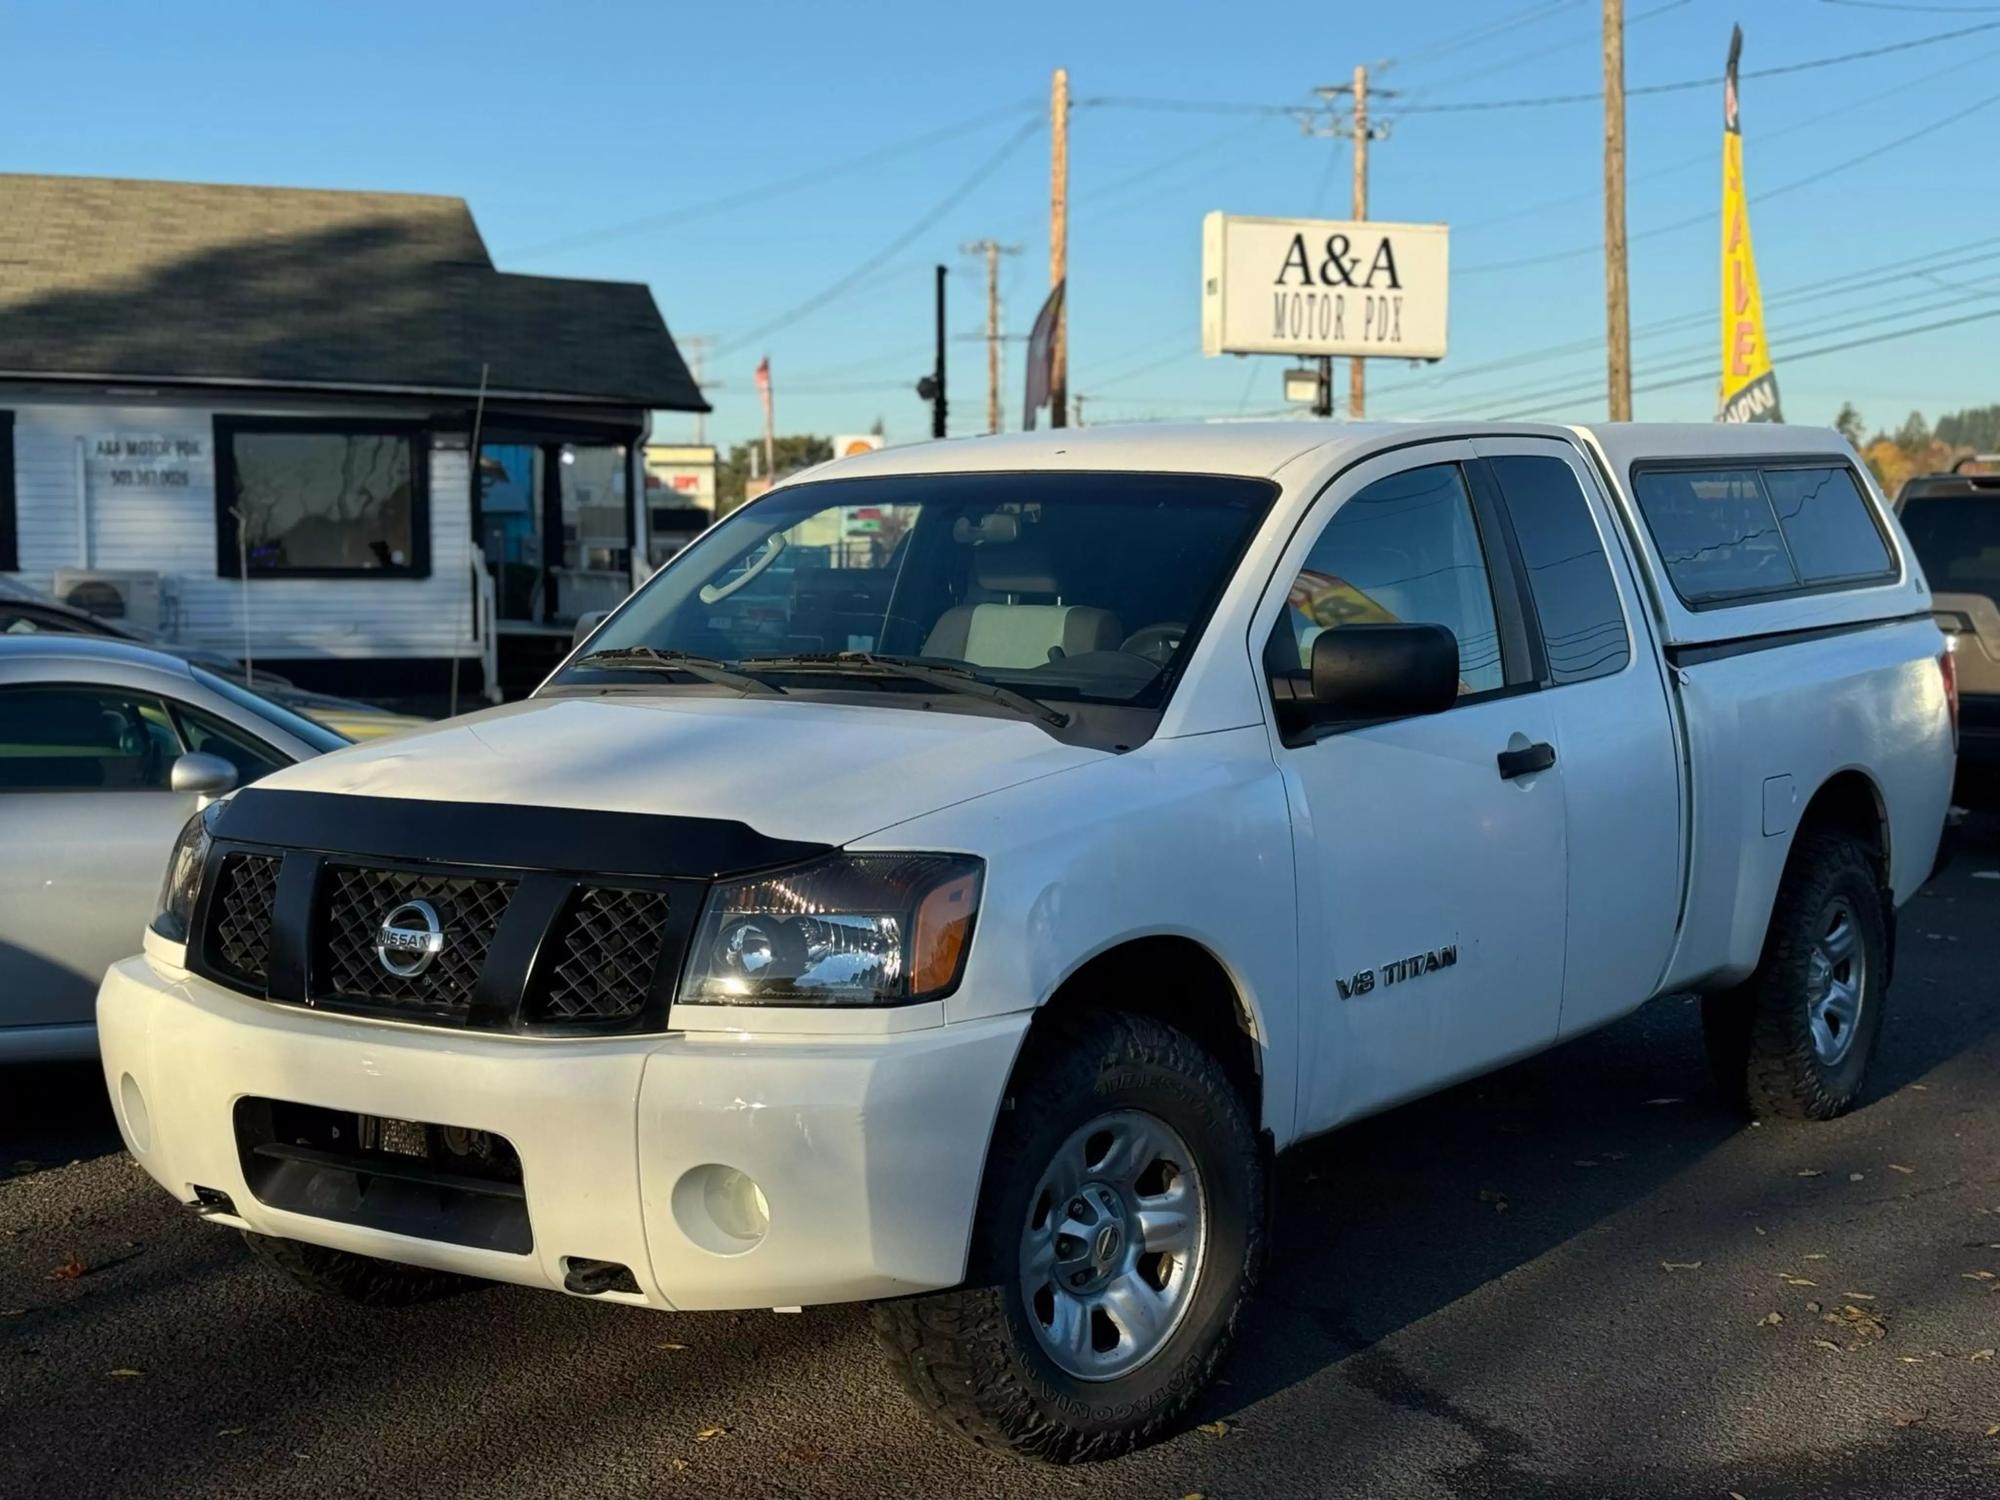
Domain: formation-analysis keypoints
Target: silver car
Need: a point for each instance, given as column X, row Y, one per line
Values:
column 106, row 749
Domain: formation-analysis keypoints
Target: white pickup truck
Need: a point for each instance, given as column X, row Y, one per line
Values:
column 954, row 876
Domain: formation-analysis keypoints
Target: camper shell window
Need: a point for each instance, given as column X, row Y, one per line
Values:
column 1729, row 533
column 321, row 499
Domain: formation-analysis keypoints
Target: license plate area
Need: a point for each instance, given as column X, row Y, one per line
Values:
column 409, row 1177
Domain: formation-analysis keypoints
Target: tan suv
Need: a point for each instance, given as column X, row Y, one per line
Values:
column 1953, row 521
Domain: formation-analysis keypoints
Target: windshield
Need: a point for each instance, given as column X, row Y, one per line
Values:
column 298, row 727
column 1957, row 539
column 1066, row 587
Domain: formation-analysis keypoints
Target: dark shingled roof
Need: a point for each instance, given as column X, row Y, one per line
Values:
column 166, row 281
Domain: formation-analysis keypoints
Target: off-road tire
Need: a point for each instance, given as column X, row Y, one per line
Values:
column 358, row 1278
column 1758, row 1034
column 969, row 1357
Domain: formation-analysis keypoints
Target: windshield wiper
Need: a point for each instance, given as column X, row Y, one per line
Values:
column 873, row 664
column 648, row 659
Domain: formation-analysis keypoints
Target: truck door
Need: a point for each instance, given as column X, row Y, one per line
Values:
column 1603, row 680
column 1429, row 850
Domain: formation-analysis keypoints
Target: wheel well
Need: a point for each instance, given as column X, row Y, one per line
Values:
column 1848, row 803
column 1177, row 981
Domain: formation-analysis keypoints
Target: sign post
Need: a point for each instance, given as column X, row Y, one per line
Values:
column 1323, row 287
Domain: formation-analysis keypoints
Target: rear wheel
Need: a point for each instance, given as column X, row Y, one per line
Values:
column 1794, row 1040
column 358, row 1278
column 1118, row 1235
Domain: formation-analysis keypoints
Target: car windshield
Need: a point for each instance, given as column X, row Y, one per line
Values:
column 298, row 727
column 1073, row 587
column 1957, row 539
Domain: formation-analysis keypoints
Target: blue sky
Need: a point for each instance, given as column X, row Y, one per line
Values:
column 564, row 126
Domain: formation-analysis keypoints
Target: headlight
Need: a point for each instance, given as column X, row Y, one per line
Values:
column 183, row 882
column 863, row 929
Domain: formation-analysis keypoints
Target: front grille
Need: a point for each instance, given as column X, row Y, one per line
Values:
column 607, row 951
column 240, row 942
column 353, row 903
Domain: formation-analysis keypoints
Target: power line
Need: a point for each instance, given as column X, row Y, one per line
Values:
column 924, row 222
column 1944, row 10
column 1550, row 257
column 1790, row 358
column 752, row 196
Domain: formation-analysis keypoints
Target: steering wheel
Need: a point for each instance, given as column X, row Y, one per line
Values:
column 1156, row 643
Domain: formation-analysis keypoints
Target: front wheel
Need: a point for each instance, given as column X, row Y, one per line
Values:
column 1119, row 1232
column 1794, row 1039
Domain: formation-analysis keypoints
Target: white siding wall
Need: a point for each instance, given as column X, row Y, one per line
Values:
column 173, row 533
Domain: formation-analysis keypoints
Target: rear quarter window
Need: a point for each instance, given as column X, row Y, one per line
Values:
column 1733, row 532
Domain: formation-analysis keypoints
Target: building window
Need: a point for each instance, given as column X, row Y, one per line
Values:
column 321, row 499
column 10, row 553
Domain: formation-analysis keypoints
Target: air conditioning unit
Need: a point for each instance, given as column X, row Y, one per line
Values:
column 129, row 596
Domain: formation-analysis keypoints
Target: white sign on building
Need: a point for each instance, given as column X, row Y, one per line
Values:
column 1323, row 286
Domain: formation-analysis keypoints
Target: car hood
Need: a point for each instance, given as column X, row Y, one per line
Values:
column 811, row 770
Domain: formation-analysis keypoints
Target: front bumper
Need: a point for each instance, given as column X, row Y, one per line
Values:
column 868, row 1150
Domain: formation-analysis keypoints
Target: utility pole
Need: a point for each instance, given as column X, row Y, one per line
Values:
column 1357, row 378
column 696, row 346
column 1361, row 130
column 1617, row 289
column 993, row 250
column 1059, row 245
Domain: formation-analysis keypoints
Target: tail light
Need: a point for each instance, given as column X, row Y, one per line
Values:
column 1948, row 669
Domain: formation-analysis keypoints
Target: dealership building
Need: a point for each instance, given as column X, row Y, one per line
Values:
column 320, row 426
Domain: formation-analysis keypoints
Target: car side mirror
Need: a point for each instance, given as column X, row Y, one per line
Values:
column 204, row 774
column 1367, row 672
column 586, row 626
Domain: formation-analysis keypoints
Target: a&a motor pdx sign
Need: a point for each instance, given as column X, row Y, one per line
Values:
column 1323, row 286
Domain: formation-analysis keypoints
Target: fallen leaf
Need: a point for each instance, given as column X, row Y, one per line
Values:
column 708, row 1433
column 1214, row 1429
column 1911, row 1359
column 1896, row 1166
column 1860, row 1320
column 1906, row 1418
column 1680, row 1265
column 1922, row 1088
column 1790, row 1280
column 230, row 1431
column 1994, row 1430
column 1981, row 1356
column 127, row 1374
column 1758, row 1227
column 69, row 1270
column 1861, row 1296
column 1669, row 1099
column 1856, row 1176
column 680, row 1465
column 1817, row 1255
column 670, row 1346
column 1828, row 1344
column 1771, row 1320
column 1978, row 1276
column 1812, row 1172
column 13, row 1312
column 1812, row 1307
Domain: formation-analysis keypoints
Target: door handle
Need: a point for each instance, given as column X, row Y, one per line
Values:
column 1526, row 761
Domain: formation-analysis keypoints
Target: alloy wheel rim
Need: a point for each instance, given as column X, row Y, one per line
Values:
column 1837, row 976
column 1113, row 1246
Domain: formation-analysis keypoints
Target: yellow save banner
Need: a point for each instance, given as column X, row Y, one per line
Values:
column 1749, row 386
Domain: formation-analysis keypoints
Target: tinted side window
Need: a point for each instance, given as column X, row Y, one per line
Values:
column 65, row 739
column 1404, row 550
column 1826, row 522
column 1957, row 539
column 211, row 736
column 1583, row 626
column 1715, row 531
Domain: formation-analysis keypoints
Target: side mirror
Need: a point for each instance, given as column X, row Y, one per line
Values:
column 586, row 626
column 202, row 773
column 1364, row 672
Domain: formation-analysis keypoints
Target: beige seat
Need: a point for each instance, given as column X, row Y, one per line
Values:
column 999, row 629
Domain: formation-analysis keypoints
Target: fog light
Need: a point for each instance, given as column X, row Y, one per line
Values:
column 721, row 1209
column 138, row 1124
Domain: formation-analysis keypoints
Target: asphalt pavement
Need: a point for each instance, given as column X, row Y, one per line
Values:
column 1581, row 1277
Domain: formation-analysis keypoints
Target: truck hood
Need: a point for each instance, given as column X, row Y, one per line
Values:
column 814, row 771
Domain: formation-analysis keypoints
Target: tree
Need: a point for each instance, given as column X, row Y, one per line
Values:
column 793, row 452
column 1850, row 425
column 1915, row 433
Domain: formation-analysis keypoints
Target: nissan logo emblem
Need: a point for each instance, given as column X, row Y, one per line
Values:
column 409, row 938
